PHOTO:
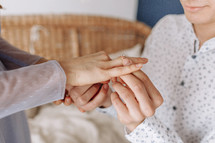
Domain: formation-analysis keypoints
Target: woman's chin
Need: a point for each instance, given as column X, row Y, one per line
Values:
column 197, row 19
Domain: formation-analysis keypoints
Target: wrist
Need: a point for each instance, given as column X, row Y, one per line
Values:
column 133, row 125
column 64, row 64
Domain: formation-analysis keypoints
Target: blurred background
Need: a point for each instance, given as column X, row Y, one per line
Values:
column 125, row 9
column 148, row 11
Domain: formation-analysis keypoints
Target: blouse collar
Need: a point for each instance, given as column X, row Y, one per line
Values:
column 206, row 46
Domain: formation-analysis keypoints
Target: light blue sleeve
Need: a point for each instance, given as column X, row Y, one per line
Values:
column 30, row 86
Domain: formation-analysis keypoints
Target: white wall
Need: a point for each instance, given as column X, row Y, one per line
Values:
column 116, row 8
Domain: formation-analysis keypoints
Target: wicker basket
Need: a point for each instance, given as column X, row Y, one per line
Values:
column 65, row 36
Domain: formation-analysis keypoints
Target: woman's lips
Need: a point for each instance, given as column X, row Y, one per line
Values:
column 194, row 8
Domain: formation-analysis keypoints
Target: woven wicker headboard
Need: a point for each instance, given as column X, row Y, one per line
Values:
column 65, row 36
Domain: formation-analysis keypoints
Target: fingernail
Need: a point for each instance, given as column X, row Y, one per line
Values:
column 81, row 110
column 146, row 59
column 139, row 65
column 67, row 100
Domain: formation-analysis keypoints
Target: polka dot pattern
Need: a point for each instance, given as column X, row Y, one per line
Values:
column 185, row 77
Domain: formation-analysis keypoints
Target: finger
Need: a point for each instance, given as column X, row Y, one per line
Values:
column 105, row 81
column 119, row 105
column 138, row 60
column 119, row 71
column 67, row 101
column 68, row 88
column 122, row 61
column 127, row 96
column 121, row 81
column 89, row 94
column 102, row 55
column 58, row 102
column 151, row 89
column 98, row 99
column 139, row 90
column 77, row 91
column 81, row 110
column 114, row 79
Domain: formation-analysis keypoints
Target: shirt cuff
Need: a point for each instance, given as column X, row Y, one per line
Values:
column 31, row 86
column 150, row 128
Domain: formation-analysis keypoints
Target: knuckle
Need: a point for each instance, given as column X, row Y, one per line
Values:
column 74, row 94
column 159, row 101
column 101, row 65
column 139, row 117
column 150, row 112
column 82, row 101
column 104, row 55
column 131, row 68
column 138, row 87
column 145, row 78
column 96, row 103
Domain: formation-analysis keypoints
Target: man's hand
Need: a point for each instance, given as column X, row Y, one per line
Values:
column 140, row 99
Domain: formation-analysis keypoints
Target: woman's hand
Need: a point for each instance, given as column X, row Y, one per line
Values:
column 98, row 67
column 87, row 98
column 140, row 99
column 67, row 99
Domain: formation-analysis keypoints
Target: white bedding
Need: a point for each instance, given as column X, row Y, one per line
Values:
column 61, row 124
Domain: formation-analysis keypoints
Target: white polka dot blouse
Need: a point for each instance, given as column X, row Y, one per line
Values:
column 184, row 74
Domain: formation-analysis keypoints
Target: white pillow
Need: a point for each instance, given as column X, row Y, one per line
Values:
column 134, row 51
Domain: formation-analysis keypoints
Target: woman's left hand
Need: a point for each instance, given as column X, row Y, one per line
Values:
column 98, row 67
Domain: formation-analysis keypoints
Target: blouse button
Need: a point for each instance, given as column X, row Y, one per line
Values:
column 174, row 108
column 194, row 56
column 182, row 83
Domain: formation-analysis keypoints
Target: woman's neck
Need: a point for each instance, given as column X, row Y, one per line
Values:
column 204, row 32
